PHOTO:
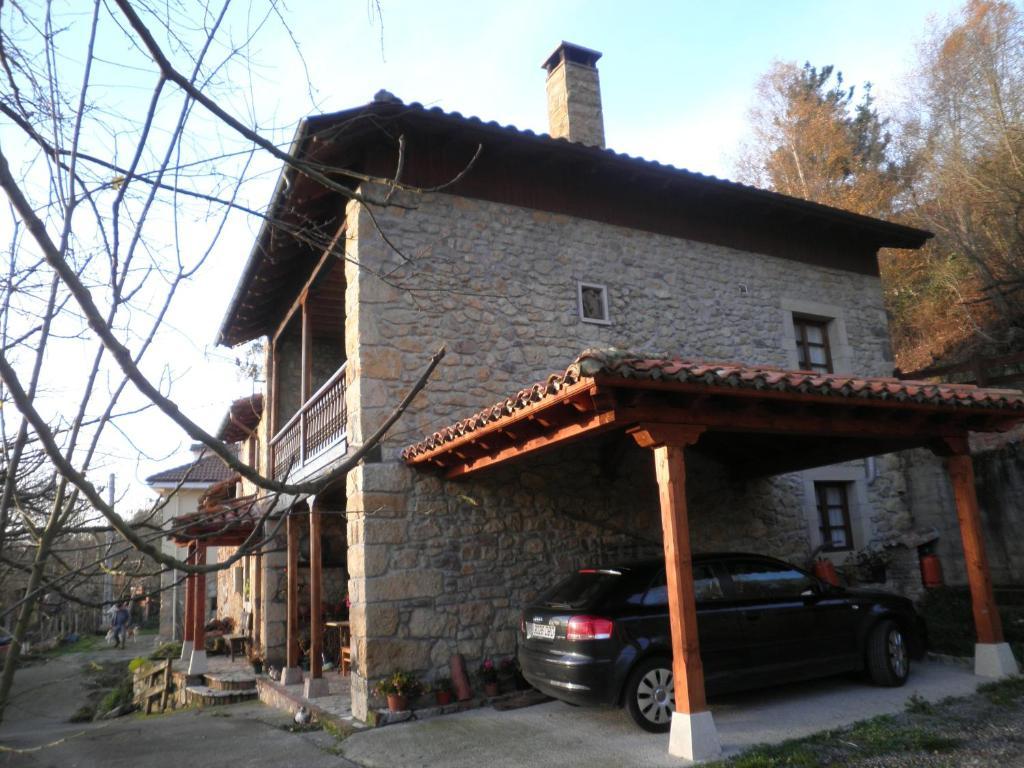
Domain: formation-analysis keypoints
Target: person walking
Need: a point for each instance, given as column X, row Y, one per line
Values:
column 119, row 623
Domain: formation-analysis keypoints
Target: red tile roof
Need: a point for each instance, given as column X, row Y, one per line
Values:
column 208, row 469
column 613, row 364
column 233, row 516
column 242, row 418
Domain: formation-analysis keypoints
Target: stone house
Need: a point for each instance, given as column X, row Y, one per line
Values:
column 517, row 252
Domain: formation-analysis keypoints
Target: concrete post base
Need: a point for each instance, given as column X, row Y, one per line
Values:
column 315, row 688
column 994, row 660
column 291, row 676
column 186, row 651
column 197, row 664
column 694, row 736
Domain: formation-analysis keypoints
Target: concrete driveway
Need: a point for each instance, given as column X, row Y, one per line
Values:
column 557, row 734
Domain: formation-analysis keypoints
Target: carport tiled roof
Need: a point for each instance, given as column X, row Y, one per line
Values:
column 617, row 364
column 231, row 516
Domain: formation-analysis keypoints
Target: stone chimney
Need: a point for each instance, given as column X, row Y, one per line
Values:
column 574, row 95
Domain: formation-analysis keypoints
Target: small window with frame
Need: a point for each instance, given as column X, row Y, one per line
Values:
column 592, row 299
column 812, row 347
column 834, row 516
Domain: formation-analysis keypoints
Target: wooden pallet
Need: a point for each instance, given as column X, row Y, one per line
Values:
column 152, row 684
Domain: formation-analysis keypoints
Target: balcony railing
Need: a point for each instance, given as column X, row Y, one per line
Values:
column 318, row 425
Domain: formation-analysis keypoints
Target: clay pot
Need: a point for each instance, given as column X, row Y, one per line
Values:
column 397, row 702
column 490, row 690
column 443, row 697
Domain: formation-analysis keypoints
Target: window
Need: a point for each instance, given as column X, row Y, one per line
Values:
column 834, row 516
column 705, row 587
column 812, row 349
column 761, row 579
column 593, row 303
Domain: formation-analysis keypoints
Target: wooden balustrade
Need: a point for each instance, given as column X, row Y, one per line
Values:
column 318, row 425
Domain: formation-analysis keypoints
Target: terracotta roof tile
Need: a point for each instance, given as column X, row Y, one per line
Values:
column 620, row 364
column 209, row 469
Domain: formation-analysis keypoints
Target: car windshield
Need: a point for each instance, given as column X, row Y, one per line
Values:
column 580, row 589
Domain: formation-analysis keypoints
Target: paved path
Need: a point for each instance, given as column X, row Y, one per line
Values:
column 557, row 734
column 249, row 735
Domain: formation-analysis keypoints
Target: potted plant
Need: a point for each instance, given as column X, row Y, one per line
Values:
column 489, row 677
column 870, row 564
column 397, row 688
column 256, row 660
column 443, row 691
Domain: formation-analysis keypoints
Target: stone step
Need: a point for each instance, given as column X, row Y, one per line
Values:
column 230, row 681
column 205, row 696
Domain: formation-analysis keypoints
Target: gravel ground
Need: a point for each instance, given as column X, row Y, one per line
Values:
column 986, row 729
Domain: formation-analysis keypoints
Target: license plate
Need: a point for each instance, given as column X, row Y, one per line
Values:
column 542, row 631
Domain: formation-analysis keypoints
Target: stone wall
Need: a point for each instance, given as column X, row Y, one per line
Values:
column 439, row 567
column 999, row 481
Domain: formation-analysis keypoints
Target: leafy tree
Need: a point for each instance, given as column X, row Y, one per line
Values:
column 814, row 137
column 964, row 136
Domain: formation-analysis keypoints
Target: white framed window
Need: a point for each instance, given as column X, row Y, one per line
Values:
column 592, row 300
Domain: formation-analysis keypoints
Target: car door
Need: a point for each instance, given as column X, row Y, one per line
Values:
column 777, row 626
column 721, row 647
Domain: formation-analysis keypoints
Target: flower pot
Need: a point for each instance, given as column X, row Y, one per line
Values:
column 397, row 702
column 443, row 697
column 490, row 689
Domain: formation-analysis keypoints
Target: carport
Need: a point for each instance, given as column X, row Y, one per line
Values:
column 758, row 421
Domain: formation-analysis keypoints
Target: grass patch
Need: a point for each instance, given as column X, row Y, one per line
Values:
column 166, row 651
column 918, row 705
column 137, row 663
column 84, row 644
column 884, row 735
column 1003, row 693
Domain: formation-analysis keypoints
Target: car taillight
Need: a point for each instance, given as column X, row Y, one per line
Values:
column 588, row 628
column 522, row 624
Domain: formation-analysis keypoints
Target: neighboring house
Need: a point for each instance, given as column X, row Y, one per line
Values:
column 535, row 249
column 180, row 489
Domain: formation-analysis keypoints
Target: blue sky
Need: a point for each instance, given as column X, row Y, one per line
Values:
column 677, row 80
column 677, row 77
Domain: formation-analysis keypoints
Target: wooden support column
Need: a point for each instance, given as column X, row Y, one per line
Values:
column 190, row 587
column 305, row 379
column 257, row 602
column 291, row 673
column 992, row 655
column 197, row 664
column 693, row 733
column 315, row 684
column 987, row 623
column 188, row 628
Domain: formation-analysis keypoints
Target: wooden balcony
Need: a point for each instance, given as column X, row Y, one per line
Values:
column 317, row 426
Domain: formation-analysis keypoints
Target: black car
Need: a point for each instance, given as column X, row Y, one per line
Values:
column 601, row 636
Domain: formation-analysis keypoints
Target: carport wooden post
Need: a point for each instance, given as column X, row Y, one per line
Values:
column 291, row 674
column 190, row 585
column 256, row 593
column 197, row 663
column 693, row 735
column 315, row 683
column 992, row 655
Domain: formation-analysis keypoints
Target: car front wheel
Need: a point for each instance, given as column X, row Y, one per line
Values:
column 888, row 654
column 651, row 696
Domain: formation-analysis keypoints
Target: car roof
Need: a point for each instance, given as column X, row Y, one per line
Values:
column 651, row 563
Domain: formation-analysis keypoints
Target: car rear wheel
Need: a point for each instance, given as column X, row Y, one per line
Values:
column 888, row 654
column 651, row 696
